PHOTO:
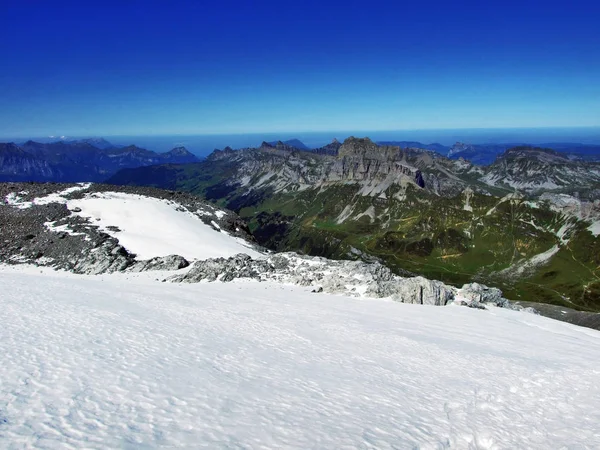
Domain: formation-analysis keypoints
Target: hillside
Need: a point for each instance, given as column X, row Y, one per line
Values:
column 416, row 211
column 78, row 161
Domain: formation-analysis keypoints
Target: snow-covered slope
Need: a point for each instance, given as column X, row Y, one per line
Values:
column 89, row 228
column 120, row 361
column 151, row 227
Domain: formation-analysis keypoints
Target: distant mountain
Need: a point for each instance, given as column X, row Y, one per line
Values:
column 72, row 161
column 18, row 165
column 485, row 154
column 528, row 223
column 279, row 145
column 538, row 169
column 179, row 155
column 482, row 154
column 296, row 143
column 442, row 149
column 331, row 149
column 576, row 150
column 100, row 143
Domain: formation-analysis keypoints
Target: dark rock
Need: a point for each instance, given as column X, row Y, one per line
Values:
column 171, row 262
column 419, row 179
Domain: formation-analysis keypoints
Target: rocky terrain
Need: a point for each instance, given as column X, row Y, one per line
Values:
column 528, row 223
column 343, row 277
column 37, row 227
column 74, row 161
column 542, row 170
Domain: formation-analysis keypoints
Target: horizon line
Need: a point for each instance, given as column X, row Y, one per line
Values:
column 241, row 133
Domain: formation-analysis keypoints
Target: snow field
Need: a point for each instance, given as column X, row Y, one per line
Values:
column 151, row 227
column 121, row 361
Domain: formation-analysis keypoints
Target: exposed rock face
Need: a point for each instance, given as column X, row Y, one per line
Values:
column 330, row 149
column 419, row 179
column 537, row 170
column 283, row 168
column 171, row 262
column 417, row 290
column 478, row 294
column 338, row 277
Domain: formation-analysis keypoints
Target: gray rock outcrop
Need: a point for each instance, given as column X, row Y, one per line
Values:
column 479, row 293
column 171, row 262
column 353, row 278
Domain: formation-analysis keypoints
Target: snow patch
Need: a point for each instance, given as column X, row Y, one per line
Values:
column 522, row 267
column 150, row 227
column 369, row 212
column 345, row 214
column 15, row 200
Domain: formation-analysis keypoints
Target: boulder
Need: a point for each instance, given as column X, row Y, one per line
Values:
column 479, row 293
column 171, row 262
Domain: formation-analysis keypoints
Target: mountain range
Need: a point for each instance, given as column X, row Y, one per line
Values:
column 528, row 223
column 485, row 154
column 81, row 160
column 414, row 209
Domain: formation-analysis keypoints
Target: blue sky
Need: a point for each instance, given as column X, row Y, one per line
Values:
column 174, row 67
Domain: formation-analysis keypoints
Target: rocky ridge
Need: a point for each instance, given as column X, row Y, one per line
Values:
column 357, row 160
column 537, row 170
column 416, row 210
column 354, row 278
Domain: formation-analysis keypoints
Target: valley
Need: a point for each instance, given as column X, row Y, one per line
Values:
column 528, row 223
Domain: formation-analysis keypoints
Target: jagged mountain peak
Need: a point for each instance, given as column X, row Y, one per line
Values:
column 459, row 147
column 181, row 150
column 179, row 155
column 295, row 143
column 354, row 146
column 97, row 142
column 330, row 149
column 541, row 154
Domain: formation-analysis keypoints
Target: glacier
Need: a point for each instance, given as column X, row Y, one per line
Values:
column 122, row 360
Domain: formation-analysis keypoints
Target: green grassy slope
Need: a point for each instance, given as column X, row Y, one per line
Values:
column 410, row 229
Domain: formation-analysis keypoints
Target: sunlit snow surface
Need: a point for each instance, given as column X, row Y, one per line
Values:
column 123, row 361
column 152, row 227
column 146, row 226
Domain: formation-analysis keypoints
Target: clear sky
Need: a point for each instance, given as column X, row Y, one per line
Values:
column 168, row 67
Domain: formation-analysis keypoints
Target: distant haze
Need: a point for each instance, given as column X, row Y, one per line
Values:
column 204, row 144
